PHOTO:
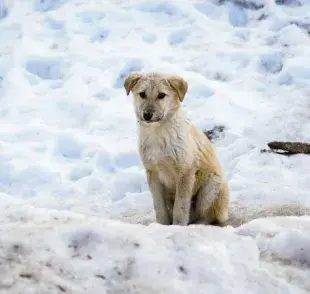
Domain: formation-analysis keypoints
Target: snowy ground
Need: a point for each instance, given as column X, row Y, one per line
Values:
column 76, row 254
column 68, row 144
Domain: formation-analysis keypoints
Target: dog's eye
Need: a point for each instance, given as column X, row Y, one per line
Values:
column 161, row 95
column 142, row 95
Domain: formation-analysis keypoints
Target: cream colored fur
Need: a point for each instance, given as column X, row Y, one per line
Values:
column 184, row 175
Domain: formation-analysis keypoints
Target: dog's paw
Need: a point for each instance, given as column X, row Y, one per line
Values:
column 165, row 222
column 163, row 219
column 180, row 222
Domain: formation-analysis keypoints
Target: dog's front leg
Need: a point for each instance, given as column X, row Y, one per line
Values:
column 182, row 202
column 157, row 190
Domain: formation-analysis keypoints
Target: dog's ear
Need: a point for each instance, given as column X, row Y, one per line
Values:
column 179, row 85
column 131, row 81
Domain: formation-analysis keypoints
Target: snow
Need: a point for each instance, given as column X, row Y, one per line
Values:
column 78, row 254
column 74, row 197
column 284, row 237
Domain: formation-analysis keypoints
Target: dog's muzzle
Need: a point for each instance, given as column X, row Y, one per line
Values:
column 149, row 116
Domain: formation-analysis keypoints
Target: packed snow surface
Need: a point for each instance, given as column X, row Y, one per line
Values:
column 69, row 160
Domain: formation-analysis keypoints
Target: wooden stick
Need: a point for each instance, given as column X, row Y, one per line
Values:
column 289, row 148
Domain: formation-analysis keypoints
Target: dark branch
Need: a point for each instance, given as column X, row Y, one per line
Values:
column 290, row 148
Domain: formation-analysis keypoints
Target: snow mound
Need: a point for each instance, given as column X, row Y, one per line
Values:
column 287, row 238
column 74, row 254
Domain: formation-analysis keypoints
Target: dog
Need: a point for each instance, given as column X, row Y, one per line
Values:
column 183, row 173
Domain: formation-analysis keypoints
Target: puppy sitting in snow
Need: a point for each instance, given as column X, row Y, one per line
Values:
column 184, row 175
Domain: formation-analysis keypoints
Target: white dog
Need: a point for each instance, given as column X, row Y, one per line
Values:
column 184, row 175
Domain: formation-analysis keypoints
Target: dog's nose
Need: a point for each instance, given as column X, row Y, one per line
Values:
column 147, row 116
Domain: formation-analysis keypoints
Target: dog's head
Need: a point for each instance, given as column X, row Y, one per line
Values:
column 156, row 96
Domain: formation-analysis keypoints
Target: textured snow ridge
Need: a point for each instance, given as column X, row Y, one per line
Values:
column 53, row 252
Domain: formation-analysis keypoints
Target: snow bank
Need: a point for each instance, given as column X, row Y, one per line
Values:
column 287, row 238
column 53, row 252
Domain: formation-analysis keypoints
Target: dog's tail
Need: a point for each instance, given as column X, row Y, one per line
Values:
column 240, row 214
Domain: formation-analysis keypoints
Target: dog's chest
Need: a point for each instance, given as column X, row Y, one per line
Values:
column 161, row 158
column 165, row 153
column 155, row 149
